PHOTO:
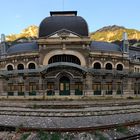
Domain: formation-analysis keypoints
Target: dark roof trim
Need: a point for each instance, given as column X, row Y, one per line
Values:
column 59, row 64
column 63, row 13
column 65, row 30
column 134, row 48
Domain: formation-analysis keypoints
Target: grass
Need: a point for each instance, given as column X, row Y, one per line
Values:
column 24, row 136
column 55, row 136
column 43, row 135
column 100, row 136
column 122, row 129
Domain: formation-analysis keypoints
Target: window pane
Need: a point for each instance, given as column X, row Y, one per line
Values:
column 67, row 86
column 61, row 86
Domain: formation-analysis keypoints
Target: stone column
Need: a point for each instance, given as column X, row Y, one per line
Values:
column 114, row 88
column 103, row 87
column 2, row 85
column 41, row 89
column 40, row 86
column 127, row 87
column 26, row 85
column 88, row 85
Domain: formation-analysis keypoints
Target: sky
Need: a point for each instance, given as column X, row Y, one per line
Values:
column 16, row 15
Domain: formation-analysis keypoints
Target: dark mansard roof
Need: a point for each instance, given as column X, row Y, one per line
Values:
column 23, row 48
column 105, row 46
column 67, row 20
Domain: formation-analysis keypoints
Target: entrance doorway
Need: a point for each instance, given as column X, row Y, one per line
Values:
column 64, row 86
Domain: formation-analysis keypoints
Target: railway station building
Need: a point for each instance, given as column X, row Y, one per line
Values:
column 64, row 61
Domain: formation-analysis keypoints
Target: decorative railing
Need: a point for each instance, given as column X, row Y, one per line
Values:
column 108, row 72
column 102, row 72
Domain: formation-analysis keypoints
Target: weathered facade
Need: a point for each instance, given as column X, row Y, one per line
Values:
column 64, row 61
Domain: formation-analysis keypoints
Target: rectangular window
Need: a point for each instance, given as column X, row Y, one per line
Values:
column 137, row 88
column 67, row 86
column 118, row 86
column 10, row 87
column 61, row 86
column 50, row 86
column 97, row 86
column 79, row 86
column 32, row 86
column 20, row 87
column 109, row 88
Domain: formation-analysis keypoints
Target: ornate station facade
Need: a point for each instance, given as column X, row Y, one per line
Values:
column 63, row 61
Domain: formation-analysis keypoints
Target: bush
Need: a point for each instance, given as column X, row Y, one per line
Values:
column 43, row 135
column 55, row 136
column 122, row 129
column 100, row 136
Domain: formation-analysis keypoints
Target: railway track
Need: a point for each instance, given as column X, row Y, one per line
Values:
column 66, row 112
column 77, row 130
column 45, row 110
column 133, row 137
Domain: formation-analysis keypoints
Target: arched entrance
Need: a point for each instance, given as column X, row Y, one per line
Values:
column 64, row 86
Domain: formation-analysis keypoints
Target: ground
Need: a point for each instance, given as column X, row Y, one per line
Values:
column 73, row 119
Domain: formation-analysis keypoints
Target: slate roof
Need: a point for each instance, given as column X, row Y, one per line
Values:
column 23, row 48
column 105, row 46
column 134, row 52
column 53, row 24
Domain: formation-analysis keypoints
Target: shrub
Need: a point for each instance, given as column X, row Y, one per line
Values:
column 25, row 136
column 43, row 135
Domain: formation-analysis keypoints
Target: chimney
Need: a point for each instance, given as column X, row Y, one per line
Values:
column 2, row 38
column 125, row 36
column 125, row 43
column 3, row 44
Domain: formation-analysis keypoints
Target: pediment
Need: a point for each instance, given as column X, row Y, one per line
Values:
column 63, row 34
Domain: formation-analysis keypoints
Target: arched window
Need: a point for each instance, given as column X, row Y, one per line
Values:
column 97, row 65
column 108, row 66
column 9, row 67
column 120, row 67
column 64, row 58
column 20, row 67
column 31, row 66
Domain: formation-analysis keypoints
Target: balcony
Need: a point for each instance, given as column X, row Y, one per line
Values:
column 15, row 72
column 113, row 72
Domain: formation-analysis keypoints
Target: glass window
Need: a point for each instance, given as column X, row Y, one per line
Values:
column 120, row 67
column 32, row 86
column 108, row 66
column 79, row 86
column 64, row 58
column 109, row 86
column 9, row 67
column 50, row 86
column 20, row 67
column 31, row 66
column 97, row 86
column 20, row 87
column 61, row 86
column 10, row 87
column 67, row 86
column 97, row 66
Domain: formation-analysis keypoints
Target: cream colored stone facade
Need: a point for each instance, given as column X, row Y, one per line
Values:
column 67, row 64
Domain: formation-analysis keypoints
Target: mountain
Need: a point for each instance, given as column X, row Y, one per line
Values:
column 31, row 31
column 107, row 33
column 114, row 33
